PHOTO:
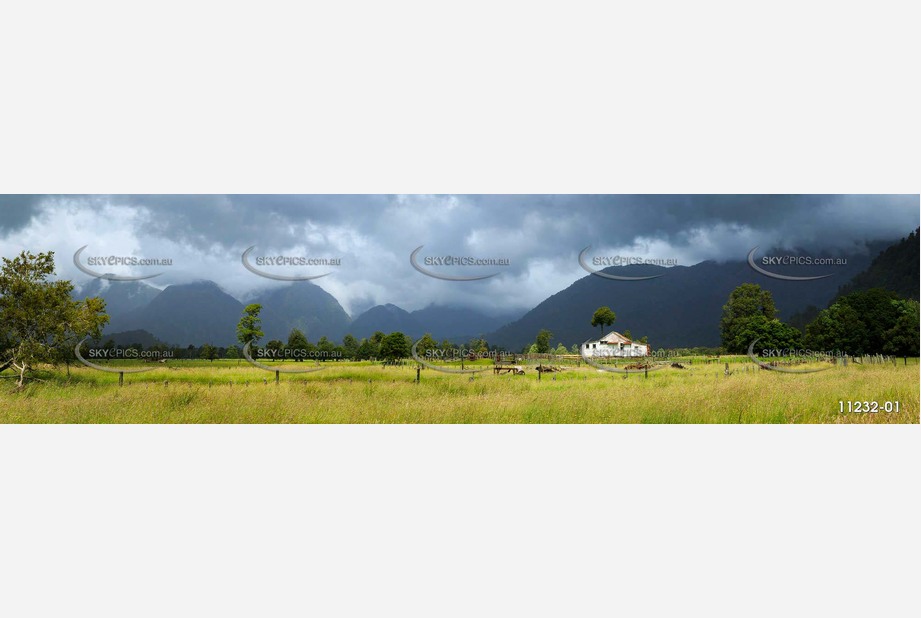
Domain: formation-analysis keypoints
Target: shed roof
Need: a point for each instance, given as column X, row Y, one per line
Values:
column 614, row 337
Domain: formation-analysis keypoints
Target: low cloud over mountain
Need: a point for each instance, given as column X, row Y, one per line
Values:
column 541, row 236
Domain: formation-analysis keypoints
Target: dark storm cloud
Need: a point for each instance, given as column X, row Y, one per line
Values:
column 234, row 219
column 230, row 220
column 16, row 211
column 541, row 235
column 821, row 220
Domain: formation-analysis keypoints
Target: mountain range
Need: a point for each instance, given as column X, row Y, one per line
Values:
column 182, row 314
column 680, row 308
column 452, row 323
column 121, row 296
column 200, row 312
column 895, row 269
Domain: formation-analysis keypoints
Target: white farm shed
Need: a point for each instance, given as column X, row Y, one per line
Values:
column 615, row 345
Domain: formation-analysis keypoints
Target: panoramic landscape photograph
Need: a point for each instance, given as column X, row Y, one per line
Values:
column 433, row 310
column 459, row 309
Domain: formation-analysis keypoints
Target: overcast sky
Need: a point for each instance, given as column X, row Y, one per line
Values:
column 541, row 236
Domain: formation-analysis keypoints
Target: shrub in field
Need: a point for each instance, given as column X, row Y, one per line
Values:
column 394, row 347
column 41, row 322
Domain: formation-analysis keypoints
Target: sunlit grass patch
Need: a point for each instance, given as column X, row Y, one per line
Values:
column 232, row 392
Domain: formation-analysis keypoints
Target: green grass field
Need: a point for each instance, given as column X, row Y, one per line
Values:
column 234, row 392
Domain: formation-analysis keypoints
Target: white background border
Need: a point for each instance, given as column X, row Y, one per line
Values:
column 478, row 97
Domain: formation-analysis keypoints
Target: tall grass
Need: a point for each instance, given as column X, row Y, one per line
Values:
column 231, row 392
